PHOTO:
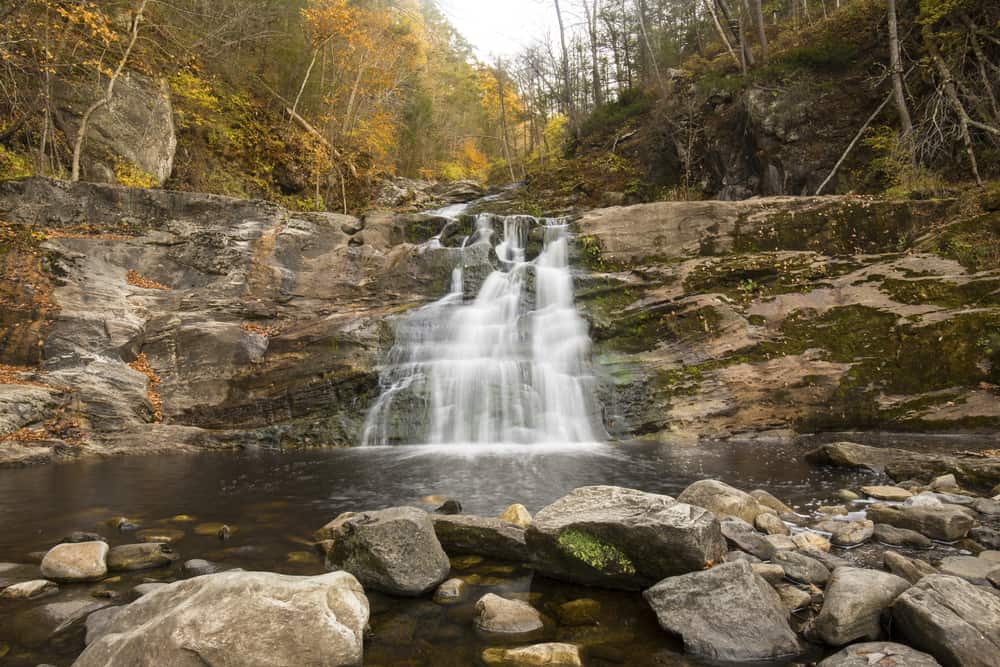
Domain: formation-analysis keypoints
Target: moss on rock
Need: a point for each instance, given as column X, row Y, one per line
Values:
column 595, row 552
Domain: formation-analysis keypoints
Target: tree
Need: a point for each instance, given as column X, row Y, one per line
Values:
column 896, row 67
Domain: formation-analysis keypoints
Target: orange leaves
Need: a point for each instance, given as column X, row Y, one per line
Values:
column 136, row 279
column 141, row 365
column 90, row 19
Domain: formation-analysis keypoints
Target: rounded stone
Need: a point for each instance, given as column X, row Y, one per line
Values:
column 499, row 616
column 29, row 590
column 451, row 591
column 517, row 514
column 771, row 524
column 82, row 561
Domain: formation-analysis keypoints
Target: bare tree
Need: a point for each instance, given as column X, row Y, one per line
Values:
column 896, row 65
column 81, row 133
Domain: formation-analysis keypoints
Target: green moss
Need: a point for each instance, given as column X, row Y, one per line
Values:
column 746, row 277
column 595, row 552
column 917, row 292
column 975, row 243
column 646, row 329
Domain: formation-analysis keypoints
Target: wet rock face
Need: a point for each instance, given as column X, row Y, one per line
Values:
column 394, row 551
column 622, row 538
column 238, row 618
column 727, row 613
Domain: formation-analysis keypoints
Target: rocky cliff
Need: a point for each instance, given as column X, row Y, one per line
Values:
column 146, row 321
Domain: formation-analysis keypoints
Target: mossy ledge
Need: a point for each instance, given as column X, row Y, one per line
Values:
column 596, row 553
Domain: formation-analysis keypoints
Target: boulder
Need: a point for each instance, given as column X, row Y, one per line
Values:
column 516, row 514
column 792, row 596
column 29, row 590
column 393, row 550
column 810, row 540
column 622, row 538
column 136, row 128
column 82, row 561
column 781, row 542
column 771, row 572
column 973, row 569
column 911, row 569
column 98, row 622
column 767, row 500
column 956, row 622
column 482, row 536
column 721, row 499
column 891, row 493
column 538, row 655
column 149, row 587
column 727, row 613
column 828, row 560
column 238, row 618
column 854, row 602
column 901, row 537
column 56, row 622
column 847, row 533
column 497, row 616
column 771, row 524
column 988, row 537
column 938, row 523
column 197, row 567
column 741, row 535
column 883, row 654
column 143, row 556
column 804, row 569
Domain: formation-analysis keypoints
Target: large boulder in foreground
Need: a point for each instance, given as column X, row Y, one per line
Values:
column 622, row 538
column 482, row 536
column 238, row 618
column 854, row 602
column 728, row 613
column 883, row 654
column 956, row 622
column 83, row 561
column 393, row 550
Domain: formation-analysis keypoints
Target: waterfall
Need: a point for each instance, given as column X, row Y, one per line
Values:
column 509, row 366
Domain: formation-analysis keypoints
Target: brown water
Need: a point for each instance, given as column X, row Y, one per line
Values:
column 274, row 501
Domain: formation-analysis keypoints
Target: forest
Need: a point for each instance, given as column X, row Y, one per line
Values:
column 313, row 102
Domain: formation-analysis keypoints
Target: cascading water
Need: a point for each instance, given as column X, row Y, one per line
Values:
column 511, row 366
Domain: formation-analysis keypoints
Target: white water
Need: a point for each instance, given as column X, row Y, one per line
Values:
column 510, row 366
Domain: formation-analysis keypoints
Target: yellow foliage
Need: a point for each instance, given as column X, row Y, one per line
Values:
column 14, row 165
column 132, row 175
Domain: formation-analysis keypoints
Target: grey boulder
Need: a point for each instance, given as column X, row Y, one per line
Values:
column 727, row 613
column 497, row 616
column 854, row 602
column 237, row 618
column 938, row 523
column 82, row 561
column 143, row 556
column 394, row 550
column 466, row 534
column 883, row 654
column 802, row 568
column 622, row 538
column 721, row 499
column 956, row 622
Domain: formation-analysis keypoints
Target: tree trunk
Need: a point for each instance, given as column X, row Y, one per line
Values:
column 949, row 89
column 896, row 64
column 758, row 11
column 503, row 122
column 81, row 134
column 595, row 72
column 649, row 48
column 722, row 31
column 567, row 85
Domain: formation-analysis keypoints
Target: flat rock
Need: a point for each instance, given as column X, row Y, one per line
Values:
column 973, row 569
column 149, row 587
column 499, row 616
column 29, row 590
column 622, row 538
column 956, row 622
column 890, row 493
column 802, row 568
column 901, row 537
column 15, row 573
column 882, row 654
column 197, row 567
column 727, row 613
column 721, row 499
column 911, row 569
column 938, row 523
column 147, row 555
column 493, row 538
column 83, row 561
column 238, row 618
column 394, row 550
column 810, row 540
column 781, row 542
column 53, row 622
column 854, row 602
column 583, row 611
column 538, row 655
column 847, row 533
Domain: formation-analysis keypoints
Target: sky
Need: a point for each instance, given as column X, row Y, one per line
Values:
column 500, row 27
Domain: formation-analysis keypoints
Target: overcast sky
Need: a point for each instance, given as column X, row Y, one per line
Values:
column 500, row 27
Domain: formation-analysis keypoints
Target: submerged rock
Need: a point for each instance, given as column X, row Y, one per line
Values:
column 140, row 556
column 883, row 654
column 29, row 590
column 466, row 534
column 393, row 550
column 727, row 613
column 499, row 616
column 451, row 591
column 584, row 611
column 956, row 622
column 83, row 561
column 854, row 602
column 238, row 618
column 53, row 622
column 538, row 655
column 622, row 538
